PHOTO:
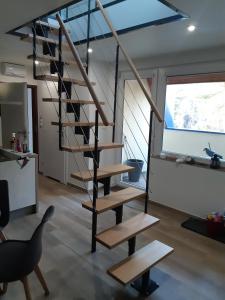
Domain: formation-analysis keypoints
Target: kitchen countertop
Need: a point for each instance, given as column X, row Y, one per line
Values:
column 8, row 155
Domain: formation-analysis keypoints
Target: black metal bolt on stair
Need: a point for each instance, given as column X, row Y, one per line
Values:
column 119, row 214
column 106, row 183
column 67, row 88
column 118, row 210
column 85, row 131
column 74, row 108
column 131, row 245
column 42, row 30
column 49, row 49
column 144, row 285
column 90, row 154
column 55, row 66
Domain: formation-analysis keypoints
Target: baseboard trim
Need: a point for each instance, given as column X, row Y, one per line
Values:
column 18, row 213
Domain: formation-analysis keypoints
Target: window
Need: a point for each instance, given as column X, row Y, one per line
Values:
column 196, row 103
column 125, row 16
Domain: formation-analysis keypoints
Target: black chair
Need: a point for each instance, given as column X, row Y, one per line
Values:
column 19, row 258
column 4, row 207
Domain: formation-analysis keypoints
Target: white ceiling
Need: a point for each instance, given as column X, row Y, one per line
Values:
column 15, row 13
column 207, row 15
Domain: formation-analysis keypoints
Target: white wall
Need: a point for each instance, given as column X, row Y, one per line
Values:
column 192, row 143
column 192, row 189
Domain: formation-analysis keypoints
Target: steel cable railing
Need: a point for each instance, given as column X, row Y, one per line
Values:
column 74, row 89
column 132, row 134
column 99, row 81
column 121, row 108
column 76, row 163
column 136, row 141
column 104, row 36
column 126, row 120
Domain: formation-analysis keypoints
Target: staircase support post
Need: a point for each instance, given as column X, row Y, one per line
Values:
column 95, row 185
column 145, row 285
column 115, row 92
column 88, row 35
column 60, row 83
column 148, row 161
column 34, row 51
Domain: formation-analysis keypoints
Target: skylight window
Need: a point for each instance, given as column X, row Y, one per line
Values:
column 125, row 15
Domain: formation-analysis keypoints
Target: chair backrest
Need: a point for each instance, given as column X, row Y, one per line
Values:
column 4, row 203
column 34, row 250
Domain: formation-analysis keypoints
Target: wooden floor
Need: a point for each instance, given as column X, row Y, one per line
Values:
column 195, row 271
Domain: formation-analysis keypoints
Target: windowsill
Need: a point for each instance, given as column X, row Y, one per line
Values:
column 194, row 131
column 199, row 162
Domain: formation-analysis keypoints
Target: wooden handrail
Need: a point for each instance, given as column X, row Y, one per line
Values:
column 131, row 64
column 82, row 70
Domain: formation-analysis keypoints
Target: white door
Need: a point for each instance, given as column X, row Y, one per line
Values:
column 135, row 117
column 51, row 159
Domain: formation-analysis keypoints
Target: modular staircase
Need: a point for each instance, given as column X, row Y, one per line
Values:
column 138, row 263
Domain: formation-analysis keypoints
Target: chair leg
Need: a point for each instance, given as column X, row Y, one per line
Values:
column 4, row 289
column 26, row 288
column 41, row 279
column 2, row 236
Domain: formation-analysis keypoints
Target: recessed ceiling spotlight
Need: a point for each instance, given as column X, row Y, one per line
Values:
column 90, row 50
column 191, row 28
column 36, row 62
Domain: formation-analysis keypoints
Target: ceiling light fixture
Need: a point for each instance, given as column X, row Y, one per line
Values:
column 191, row 28
column 90, row 50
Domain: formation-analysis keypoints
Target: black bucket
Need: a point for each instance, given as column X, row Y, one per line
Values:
column 134, row 175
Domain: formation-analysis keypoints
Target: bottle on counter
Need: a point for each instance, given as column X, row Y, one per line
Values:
column 13, row 142
column 25, row 146
column 18, row 145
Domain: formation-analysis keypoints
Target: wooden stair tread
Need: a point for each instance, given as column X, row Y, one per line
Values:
column 80, row 124
column 126, row 230
column 103, row 172
column 87, row 148
column 55, row 79
column 53, row 28
column 46, row 24
column 140, row 262
column 114, row 199
column 42, row 39
column 75, row 101
column 48, row 59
